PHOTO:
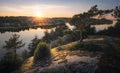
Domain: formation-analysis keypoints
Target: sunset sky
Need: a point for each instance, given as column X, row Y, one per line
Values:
column 51, row 8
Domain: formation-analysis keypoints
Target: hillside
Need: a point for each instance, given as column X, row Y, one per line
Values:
column 71, row 59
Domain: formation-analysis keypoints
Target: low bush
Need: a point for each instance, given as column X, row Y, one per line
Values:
column 75, row 46
column 42, row 52
column 91, row 47
column 85, row 46
column 8, row 64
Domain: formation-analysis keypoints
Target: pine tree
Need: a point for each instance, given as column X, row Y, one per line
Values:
column 14, row 43
column 32, row 45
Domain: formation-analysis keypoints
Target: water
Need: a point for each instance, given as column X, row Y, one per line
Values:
column 97, row 27
column 71, row 27
column 26, row 36
column 104, row 26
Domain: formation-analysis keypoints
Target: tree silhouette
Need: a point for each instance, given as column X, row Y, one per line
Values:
column 93, row 9
column 83, row 20
column 14, row 43
column 33, row 44
column 117, row 11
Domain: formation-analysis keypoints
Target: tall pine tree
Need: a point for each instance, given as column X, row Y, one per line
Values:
column 14, row 43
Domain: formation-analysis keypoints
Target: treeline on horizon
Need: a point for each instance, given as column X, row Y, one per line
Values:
column 16, row 24
column 13, row 19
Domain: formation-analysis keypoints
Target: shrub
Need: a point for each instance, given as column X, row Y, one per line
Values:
column 59, row 48
column 42, row 52
column 91, row 47
column 8, row 64
column 32, row 46
column 85, row 47
column 76, row 46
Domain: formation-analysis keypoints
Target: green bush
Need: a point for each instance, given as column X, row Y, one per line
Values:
column 42, row 52
column 59, row 48
column 85, row 46
column 8, row 64
column 76, row 46
column 92, row 47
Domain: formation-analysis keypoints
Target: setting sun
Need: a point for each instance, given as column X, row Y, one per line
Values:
column 38, row 13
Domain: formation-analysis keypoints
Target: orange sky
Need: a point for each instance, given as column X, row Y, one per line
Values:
column 37, row 10
column 51, row 8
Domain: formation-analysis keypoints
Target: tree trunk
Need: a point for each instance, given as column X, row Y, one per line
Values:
column 14, row 54
column 81, row 36
column 81, row 33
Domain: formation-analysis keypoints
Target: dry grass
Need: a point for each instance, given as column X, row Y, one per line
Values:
column 27, row 64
